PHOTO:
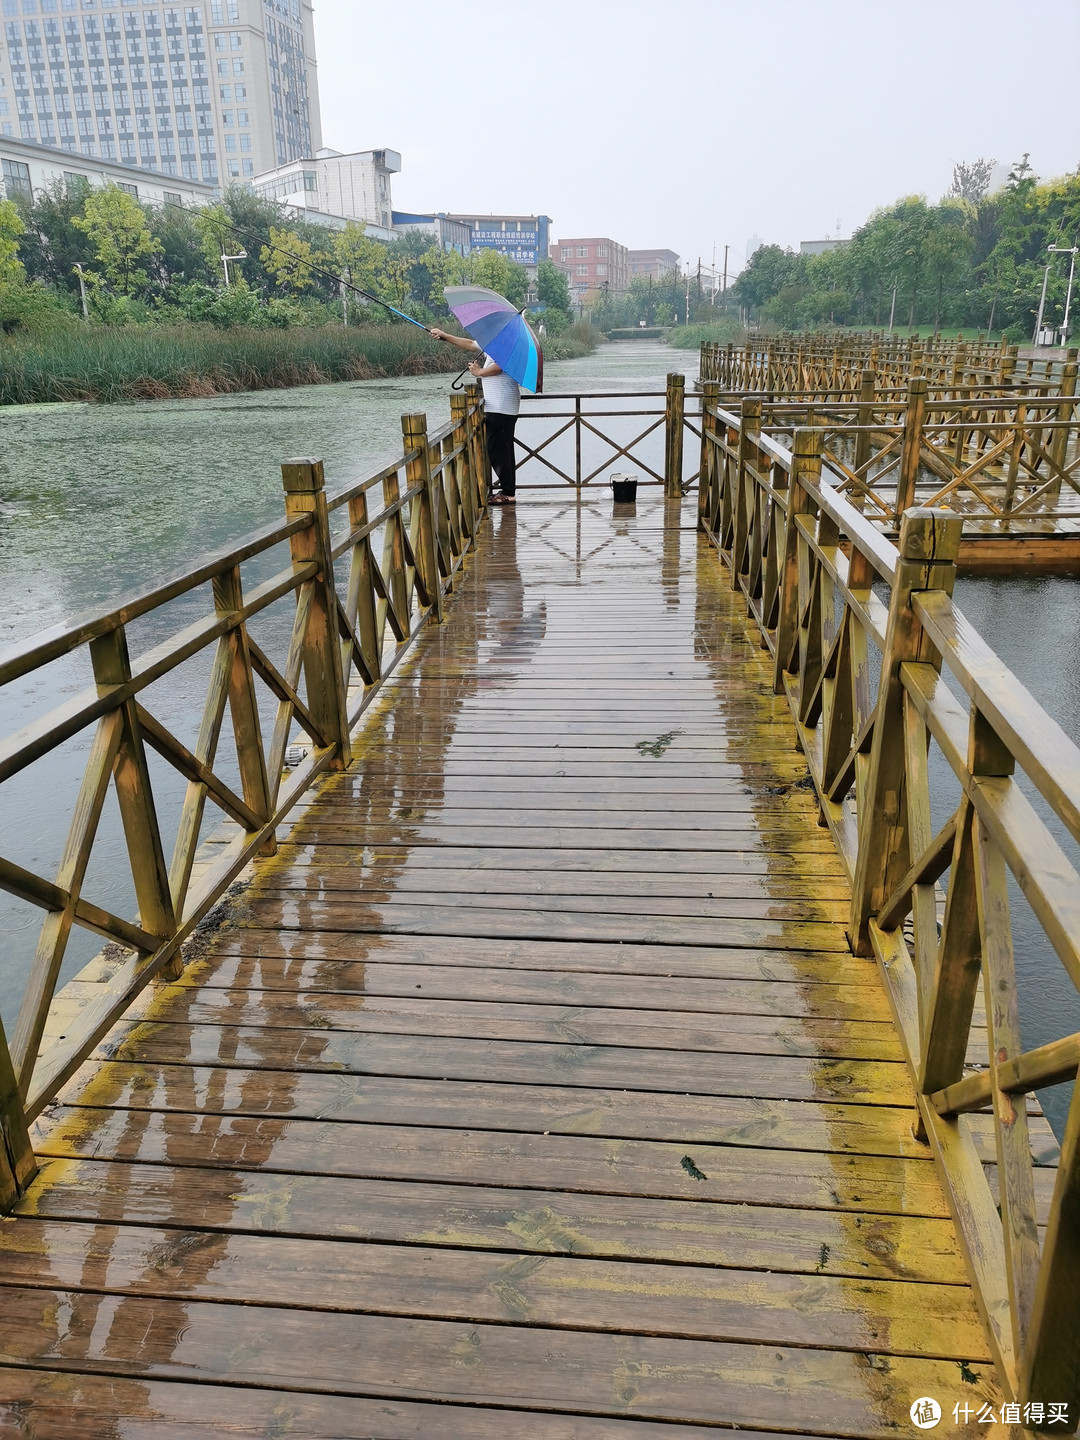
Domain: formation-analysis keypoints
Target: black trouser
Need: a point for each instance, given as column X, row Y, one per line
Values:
column 500, row 444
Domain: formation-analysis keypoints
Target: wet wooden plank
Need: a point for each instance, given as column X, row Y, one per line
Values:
column 654, row 1378
column 694, row 1302
column 293, row 872
column 735, row 1175
column 515, row 970
column 537, row 924
column 782, row 1077
column 531, row 1109
column 478, row 1217
column 753, row 1034
column 312, row 888
column 706, row 864
column 59, row 1405
column 605, row 958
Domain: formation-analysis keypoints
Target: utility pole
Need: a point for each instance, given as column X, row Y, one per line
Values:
column 726, row 249
column 892, row 312
column 82, row 292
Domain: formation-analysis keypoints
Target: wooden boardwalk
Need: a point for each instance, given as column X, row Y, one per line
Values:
column 530, row 1091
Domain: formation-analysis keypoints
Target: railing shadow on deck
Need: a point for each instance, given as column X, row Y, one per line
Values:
column 830, row 594
column 345, row 634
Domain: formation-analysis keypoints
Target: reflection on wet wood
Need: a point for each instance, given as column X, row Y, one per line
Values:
column 531, row 1089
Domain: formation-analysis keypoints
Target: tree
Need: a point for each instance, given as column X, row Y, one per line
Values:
column 358, row 256
column 494, row 270
column 289, row 260
column 971, row 179
column 552, row 287
column 52, row 245
column 117, row 226
column 12, row 270
column 770, row 270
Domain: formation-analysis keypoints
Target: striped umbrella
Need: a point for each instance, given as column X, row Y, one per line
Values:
column 501, row 331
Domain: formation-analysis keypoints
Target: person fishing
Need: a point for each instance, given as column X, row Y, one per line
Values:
column 502, row 404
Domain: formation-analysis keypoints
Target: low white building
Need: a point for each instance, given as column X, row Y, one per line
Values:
column 353, row 187
column 27, row 168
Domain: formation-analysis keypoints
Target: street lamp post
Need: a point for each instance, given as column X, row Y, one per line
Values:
column 1042, row 306
column 1071, row 251
column 227, row 259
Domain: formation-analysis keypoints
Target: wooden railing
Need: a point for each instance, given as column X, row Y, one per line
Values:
column 828, row 365
column 1011, row 461
column 571, row 439
column 859, row 630
column 340, row 637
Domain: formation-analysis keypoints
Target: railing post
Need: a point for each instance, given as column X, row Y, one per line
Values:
column 418, row 472
column 305, row 494
column 749, row 431
column 17, row 1164
column 863, row 447
column 673, row 450
column 805, row 467
column 929, row 545
column 710, row 399
column 1059, row 446
column 911, row 454
column 480, row 469
column 459, row 416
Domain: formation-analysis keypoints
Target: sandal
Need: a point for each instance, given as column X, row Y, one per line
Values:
column 502, row 500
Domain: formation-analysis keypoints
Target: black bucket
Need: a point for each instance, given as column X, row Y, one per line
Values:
column 624, row 489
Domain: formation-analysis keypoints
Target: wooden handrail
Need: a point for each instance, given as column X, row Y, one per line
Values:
column 342, row 647
column 804, row 557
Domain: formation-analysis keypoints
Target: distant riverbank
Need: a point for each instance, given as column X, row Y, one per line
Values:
column 188, row 362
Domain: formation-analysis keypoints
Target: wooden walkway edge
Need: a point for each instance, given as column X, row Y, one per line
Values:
column 530, row 1090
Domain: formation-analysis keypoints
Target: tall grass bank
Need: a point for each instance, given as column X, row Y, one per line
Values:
column 188, row 362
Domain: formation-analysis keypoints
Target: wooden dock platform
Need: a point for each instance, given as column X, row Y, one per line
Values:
column 531, row 1090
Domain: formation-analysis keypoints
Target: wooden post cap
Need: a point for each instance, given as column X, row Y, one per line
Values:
column 414, row 424
column 932, row 536
column 301, row 477
column 750, row 406
column 918, row 385
column 806, row 442
column 676, row 381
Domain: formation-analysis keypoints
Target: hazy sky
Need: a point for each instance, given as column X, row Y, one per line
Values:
column 689, row 123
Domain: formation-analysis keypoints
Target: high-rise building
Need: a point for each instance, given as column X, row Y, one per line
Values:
column 216, row 92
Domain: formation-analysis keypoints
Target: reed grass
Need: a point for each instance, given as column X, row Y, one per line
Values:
column 97, row 363
column 723, row 331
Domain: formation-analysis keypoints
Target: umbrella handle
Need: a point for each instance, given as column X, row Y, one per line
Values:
column 458, row 383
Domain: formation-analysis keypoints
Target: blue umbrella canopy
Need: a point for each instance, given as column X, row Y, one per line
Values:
column 501, row 331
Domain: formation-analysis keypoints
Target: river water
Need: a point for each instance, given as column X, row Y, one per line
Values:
column 98, row 500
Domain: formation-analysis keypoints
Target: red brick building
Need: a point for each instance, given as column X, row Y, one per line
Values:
column 593, row 264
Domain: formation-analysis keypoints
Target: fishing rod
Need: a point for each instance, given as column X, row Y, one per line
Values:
column 254, row 236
